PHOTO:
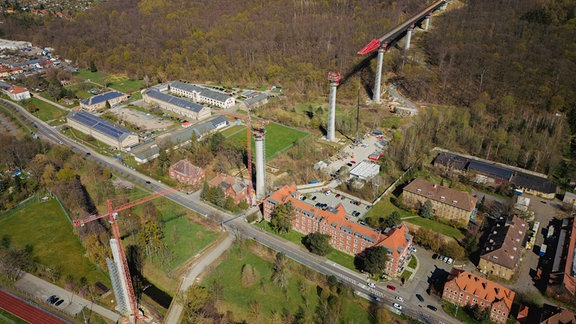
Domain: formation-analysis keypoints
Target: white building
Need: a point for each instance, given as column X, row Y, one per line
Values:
column 202, row 94
column 17, row 93
column 365, row 170
column 176, row 105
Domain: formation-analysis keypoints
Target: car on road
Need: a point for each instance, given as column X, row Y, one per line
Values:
column 337, row 195
column 371, row 285
column 353, row 162
column 400, row 299
column 147, row 182
column 432, row 307
column 420, row 298
column 58, row 303
column 397, row 306
column 349, row 164
column 391, row 287
column 314, row 198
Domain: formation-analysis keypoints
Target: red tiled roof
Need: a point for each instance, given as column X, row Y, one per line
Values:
column 186, row 168
column 17, row 90
column 481, row 287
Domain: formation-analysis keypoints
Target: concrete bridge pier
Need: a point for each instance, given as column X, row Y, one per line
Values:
column 376, row 94
column 408, row 37
column 334, row 79
column 427, row 22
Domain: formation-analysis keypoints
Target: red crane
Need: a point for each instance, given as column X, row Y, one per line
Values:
column 248, row 120
column 112, row 215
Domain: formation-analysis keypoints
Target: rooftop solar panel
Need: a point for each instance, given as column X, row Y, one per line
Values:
column 99, row 124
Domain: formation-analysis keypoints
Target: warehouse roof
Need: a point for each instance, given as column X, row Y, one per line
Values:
column 102, row 97
column 205, row 92
column 100, row 125
column 182, row 103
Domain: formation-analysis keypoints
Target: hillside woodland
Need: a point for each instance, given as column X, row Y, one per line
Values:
column 505, row 67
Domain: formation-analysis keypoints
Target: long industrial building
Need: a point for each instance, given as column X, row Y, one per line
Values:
column 176, row 105
column 102, row 130
column 201, row 94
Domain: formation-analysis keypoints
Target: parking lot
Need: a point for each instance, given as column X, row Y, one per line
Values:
column 353, row 154
column 330, row 199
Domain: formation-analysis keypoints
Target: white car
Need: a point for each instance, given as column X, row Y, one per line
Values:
column 397, row 306
column 371, row 285
column 449, row 261
column 400, row 299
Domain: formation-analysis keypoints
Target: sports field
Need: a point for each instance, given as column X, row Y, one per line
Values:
column 279, row 138
column 45, row 227
column 116, row 82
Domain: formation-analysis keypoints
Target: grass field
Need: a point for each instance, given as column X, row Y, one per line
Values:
column 47, row 111
column 8, row 318
column 116, row 82
column 435, row 226
column 337, row 256
column 385, row 207
column 299, row 293
column 45, row 227
column 278, row 138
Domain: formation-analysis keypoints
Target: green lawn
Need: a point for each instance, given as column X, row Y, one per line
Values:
column 98, row 77
column 458, row 312
column 278, row 138
column 45, row 227
column 47, row 111
column 385, row 207
column 126, row 85
column 405, row 274
column 435, row 226
column 413, row 263
column 393, row 122
column 343, row 259
column 8, row 318
column 300, row 293
column 233, row 130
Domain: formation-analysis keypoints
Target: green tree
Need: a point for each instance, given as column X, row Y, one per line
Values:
column 427, row 209
column 279, row 271
column 374, row 259
column 317, row 243
column 392, row 220
column 281, row 218
column 453, row 250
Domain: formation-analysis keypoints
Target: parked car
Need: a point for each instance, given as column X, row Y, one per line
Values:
column 420, row 298
column 55, row 300
column 58, row 303
column 400, row 299
column 314, row 198
column 397, row 306
column 432, row 307
column 441, row 258
column 449, row 260
column 435, row 256
column 391, row 287
column 52, row 299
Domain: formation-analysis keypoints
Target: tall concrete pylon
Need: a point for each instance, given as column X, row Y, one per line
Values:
column 258, row 130
column 377, row 85
column 408, row 37
column 334, row 78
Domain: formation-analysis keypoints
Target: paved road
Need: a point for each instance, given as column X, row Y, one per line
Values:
column 293, row 251
column 407, row 104
column 73, row 304
column 176, row 308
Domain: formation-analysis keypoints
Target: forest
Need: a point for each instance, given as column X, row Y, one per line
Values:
column 504, row 69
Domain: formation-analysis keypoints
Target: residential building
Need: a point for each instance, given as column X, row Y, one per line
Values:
column 345, row 235
column 502, row 251
column 176, row 105
column 569, row 249
column 186, row 172
column 17, row 93
column 99, row 101
column 449, row 204
column 234, row 187
column 557, row 315
column 202, row 94
column 101, row 129
column 464, row 288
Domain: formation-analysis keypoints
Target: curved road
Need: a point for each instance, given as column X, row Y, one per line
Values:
column 355, row 280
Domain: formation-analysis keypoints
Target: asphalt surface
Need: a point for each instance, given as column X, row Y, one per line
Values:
column 355, row 280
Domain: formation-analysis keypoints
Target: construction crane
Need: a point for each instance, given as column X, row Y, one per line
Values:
column 248, row 121
column 112, row 216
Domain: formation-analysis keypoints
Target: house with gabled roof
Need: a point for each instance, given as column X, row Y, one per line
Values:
column 99, row 101
column 345, row 235
column 464, row 288
column 101, row 129
column 186, row 172
column 234, row 187
column 447, row 203
column 502, row 251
